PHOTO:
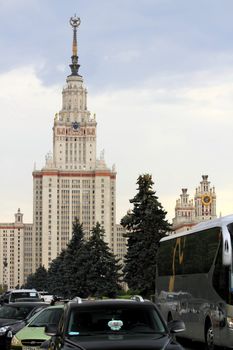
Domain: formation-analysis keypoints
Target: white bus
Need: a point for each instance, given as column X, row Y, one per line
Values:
column 195, row 281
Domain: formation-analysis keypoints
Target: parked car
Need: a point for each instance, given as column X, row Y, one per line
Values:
column 13, row 317
column 33, row 335
column 112, row 324
column 17, row 294
column 3, row 297
column 46, row 296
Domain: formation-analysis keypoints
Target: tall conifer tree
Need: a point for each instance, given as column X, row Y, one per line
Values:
column 55, row 276
column 76, row 256
column 103, row 269
column 38, row 280
column 145, row 225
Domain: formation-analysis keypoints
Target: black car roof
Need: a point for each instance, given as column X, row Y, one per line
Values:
column 109, row 302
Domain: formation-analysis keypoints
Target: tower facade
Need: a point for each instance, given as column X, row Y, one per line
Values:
column 205, row 200
column 190, row 212
column 16, row 252
column 184, row 212
column 73, row 182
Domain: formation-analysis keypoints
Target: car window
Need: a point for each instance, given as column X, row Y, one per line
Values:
column 19, row 295
column 104, row 319
column 18, row 313
column 47, row 316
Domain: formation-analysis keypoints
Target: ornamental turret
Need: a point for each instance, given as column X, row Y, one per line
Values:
column 184, row 213
column 205, row 200
column 188, row 213
column 74, row 132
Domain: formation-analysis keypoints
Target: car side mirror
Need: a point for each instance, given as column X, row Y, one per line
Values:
column 51, row 329
column 176, row 326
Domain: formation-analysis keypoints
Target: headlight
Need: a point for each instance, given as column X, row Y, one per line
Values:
column 230, row 322
column 3, row 330
column 9, row 334
column 15, row 341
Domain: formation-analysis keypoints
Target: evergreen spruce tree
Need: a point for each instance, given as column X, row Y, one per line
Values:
column 75, row 259
column 56, row 276
column 145, row 226
column 38, row 280
column 102, row 268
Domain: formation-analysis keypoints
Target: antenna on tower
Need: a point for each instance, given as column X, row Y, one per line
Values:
column 75, row 23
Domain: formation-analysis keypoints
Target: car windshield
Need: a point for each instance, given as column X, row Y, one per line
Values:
column 115, row 319
column 47, row 316
column 15, row 312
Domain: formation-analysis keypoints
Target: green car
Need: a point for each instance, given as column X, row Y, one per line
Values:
column 32, row 335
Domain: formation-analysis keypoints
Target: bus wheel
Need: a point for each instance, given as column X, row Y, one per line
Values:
column 209, row 337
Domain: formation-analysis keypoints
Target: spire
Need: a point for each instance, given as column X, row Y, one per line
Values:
column 74, row 22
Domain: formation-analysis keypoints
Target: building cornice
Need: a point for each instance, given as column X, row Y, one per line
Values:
column 39, row 174
column 11, row 226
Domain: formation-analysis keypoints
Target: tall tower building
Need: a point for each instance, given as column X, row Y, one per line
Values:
column 189, row 213
column 15, row 252
column 184, row 212
column 73, row 182
column 205, row 200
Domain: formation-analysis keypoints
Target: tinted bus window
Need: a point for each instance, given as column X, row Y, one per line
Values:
column 194, row 253
column 221, row 278
column 165, row 258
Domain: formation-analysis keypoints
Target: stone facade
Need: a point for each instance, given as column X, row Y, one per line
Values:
column 121, row 243
column 16, row 252
column 73, row 182
column 189, row 212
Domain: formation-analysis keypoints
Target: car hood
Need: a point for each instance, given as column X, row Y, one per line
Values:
column 9, row 322
column 32, row 333
column 124, row 342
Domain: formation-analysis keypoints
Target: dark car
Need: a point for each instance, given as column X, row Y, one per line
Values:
column 112, row 325
column 3, row 297
column 13, row 317
column 15, row 295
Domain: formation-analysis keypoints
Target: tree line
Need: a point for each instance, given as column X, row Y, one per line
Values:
column 89, row 268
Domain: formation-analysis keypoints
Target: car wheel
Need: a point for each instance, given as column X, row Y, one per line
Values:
column 209, row 337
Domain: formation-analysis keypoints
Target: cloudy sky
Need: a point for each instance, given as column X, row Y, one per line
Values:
column 159, row 75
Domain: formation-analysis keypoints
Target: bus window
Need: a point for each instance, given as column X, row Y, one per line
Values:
column 221, row 278
column 200, row 251
column 189, row 254
column 230, row 229
column 165, row 258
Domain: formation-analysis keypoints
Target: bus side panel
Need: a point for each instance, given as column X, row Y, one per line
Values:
column 194, row 283
column 192, row 300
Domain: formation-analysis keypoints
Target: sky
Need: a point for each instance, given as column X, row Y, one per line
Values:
column 159, row 75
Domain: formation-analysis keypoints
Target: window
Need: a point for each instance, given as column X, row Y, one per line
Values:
column 47, row 316
column 189, row 254
column 96, row 319
column 221, row 278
